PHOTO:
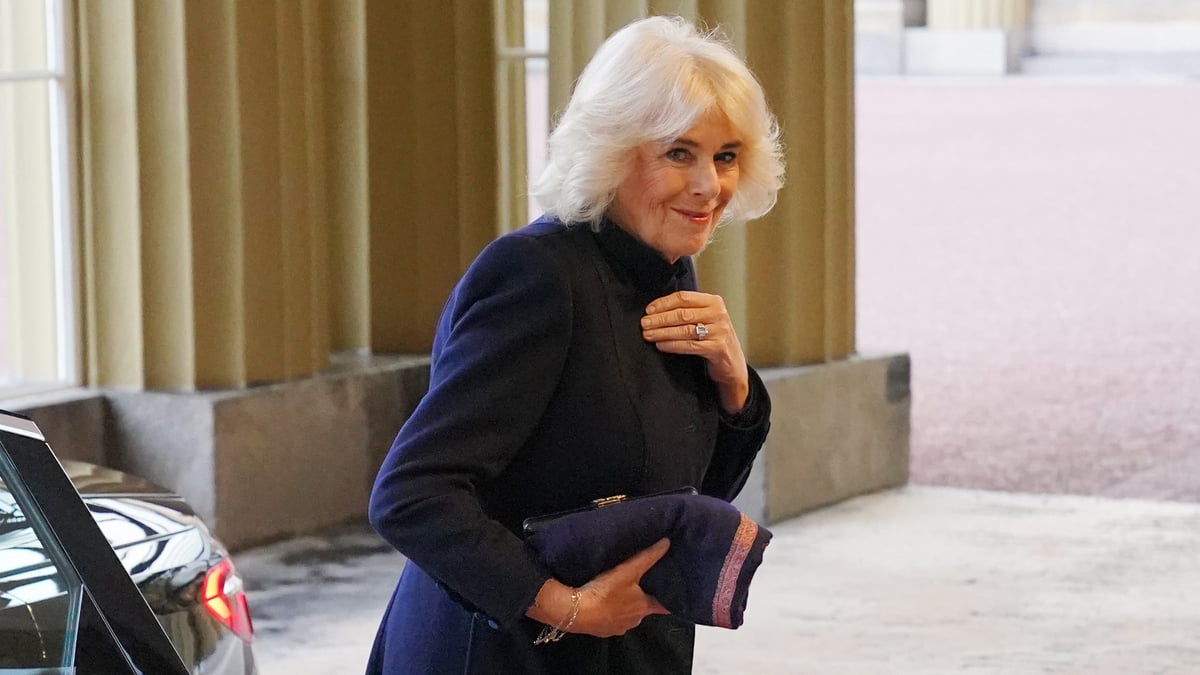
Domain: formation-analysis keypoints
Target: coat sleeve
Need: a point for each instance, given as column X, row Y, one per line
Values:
column 502, row 342
column 739, row 438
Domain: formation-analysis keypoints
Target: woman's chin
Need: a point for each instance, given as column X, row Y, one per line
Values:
column 685, row 251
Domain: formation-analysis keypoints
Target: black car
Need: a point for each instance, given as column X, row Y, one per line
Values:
column 103, row 572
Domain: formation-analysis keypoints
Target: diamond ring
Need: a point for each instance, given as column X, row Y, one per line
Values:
column 701, row 331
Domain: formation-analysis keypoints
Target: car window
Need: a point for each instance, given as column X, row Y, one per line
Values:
column 39, row 592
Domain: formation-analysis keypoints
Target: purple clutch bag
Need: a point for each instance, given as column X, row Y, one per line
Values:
column 705, row 575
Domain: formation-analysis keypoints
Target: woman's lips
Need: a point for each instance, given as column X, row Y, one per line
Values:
column 698, row 217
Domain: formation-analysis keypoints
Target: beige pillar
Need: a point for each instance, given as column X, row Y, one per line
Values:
column 800, row 258
column 432, row 160
column 477, row 219
column 203, row 143
column 303, row 338
column 164, row 195
column 241, row 217
column 312, row 309
column 343, row 62
column 215, row 176
column 111, row 210
column 257, row 90
column 788, row 278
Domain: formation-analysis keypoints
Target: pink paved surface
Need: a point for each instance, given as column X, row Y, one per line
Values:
column 1034, row 245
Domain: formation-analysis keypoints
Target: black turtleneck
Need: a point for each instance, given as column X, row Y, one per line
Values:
column 646, row 268
column 638, row 263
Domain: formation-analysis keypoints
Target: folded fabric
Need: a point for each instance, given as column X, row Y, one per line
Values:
column 705, row 575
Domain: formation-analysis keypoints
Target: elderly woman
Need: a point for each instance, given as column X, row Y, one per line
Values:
column 575, row 360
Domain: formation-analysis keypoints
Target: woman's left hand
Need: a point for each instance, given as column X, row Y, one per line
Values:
column 673, row 322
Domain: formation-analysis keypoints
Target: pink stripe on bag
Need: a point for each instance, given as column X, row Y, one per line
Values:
column 743, row 539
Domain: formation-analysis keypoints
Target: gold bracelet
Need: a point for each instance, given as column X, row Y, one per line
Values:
column 555, row 633
column 576, row 596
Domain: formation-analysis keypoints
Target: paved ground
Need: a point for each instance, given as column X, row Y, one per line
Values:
column 941, row 580
column 316, row 601
column 921, row 580
column 1033, row 245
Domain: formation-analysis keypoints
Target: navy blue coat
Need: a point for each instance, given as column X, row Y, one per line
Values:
column 543, row 395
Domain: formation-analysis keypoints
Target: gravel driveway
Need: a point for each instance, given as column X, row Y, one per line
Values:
column 1033, row 244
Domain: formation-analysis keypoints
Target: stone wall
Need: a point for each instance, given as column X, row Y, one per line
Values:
column 257, row 464
column 838, row 430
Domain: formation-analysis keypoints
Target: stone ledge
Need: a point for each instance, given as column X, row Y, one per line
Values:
column 258, row 464
column 838, row 430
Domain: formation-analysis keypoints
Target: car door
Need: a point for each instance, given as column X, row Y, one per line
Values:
column 66, row 603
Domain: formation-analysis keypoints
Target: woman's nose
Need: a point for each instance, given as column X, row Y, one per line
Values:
column 705, row 182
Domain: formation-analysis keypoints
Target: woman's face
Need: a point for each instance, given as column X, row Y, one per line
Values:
column 675, row 192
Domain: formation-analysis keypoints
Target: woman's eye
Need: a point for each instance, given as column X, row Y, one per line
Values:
column 726, row 158
column 677, row 154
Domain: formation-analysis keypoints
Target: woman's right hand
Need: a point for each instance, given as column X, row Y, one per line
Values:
column 611, row 604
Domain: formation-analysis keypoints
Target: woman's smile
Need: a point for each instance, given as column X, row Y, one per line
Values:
column 698, row 217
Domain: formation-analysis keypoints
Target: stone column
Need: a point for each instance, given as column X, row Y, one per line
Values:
column 432, row 159
column 216, row 211
column 344, row 130
column 229, row 176
column 164, row 196
column 111, row 210
column 800, row 260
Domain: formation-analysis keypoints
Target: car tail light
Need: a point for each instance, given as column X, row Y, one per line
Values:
column 225, row 599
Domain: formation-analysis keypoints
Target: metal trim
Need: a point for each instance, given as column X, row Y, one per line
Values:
column 20, row 426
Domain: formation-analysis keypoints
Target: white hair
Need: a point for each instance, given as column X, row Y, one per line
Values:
column 652, row 81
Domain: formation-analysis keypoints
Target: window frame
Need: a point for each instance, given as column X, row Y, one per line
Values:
column 60, row 76
column 512, row 89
